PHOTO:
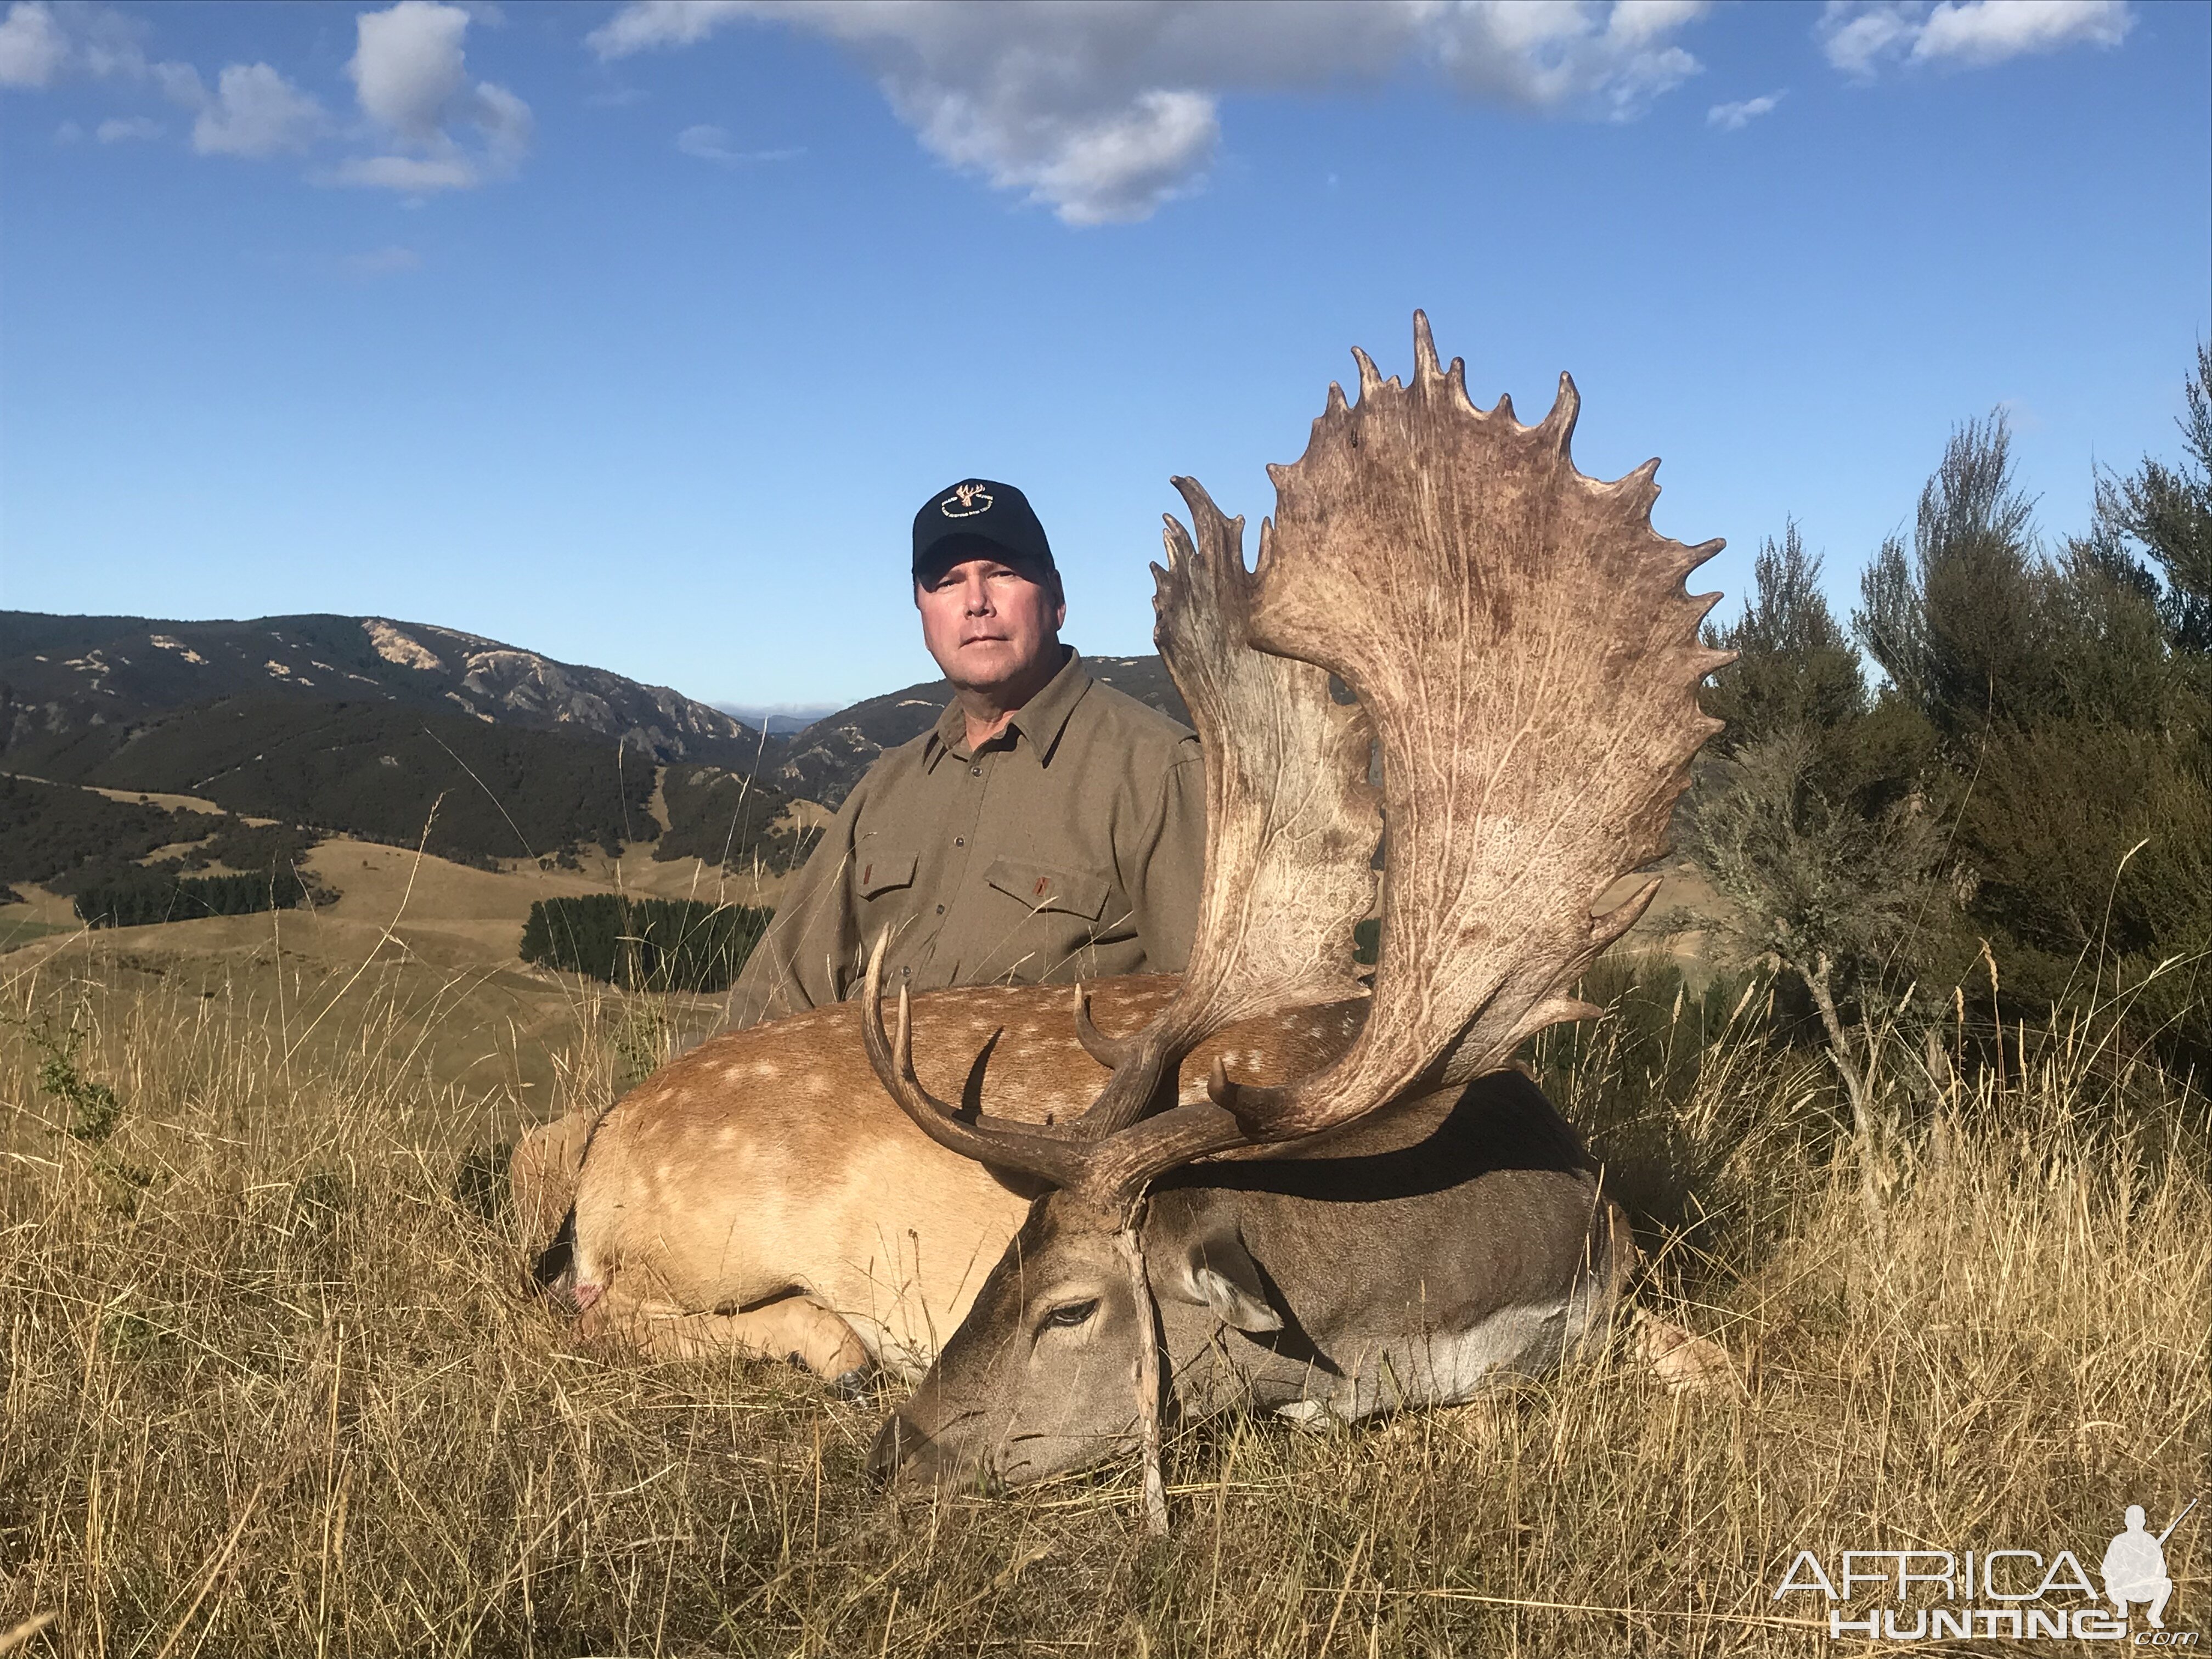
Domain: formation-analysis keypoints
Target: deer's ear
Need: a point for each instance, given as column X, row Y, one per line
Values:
column 1220, row 1273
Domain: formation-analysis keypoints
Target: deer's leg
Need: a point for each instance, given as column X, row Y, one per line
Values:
column 1685, row 1362
column 790, row 1327
column 541, row 1173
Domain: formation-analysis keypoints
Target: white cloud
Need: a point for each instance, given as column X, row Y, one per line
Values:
column 409, row 73
column 711, row 143
column 1734, row 117
column 33, row 47
column 1859, row 36
column 254, row 112
column 407, row 69
column 1990, row 31
column 41, row 42
column 1104, row 110
column 663, row 23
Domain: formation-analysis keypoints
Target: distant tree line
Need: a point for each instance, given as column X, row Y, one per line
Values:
column 657, row 944
column 2009, row 817
column 79, row 842
column 134, row 897
column 49, row 832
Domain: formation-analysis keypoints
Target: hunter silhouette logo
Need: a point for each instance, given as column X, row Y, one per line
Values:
column 1930, row 1594
column 2135, row 1567
column 965, row 502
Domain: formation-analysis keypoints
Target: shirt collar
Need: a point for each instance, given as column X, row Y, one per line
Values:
column 1037, row 723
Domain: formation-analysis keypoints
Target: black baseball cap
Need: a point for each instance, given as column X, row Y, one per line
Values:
column 975, row 516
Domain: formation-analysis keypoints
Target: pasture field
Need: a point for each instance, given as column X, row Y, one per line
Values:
column 269, row 1385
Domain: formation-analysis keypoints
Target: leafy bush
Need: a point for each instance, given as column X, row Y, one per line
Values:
column 661, row 944
column 2024, row 800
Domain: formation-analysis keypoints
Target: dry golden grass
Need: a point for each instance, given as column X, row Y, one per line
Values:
column 271, row 1387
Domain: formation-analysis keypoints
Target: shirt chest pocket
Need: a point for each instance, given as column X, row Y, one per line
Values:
column 880, row 872
column 1040, row 887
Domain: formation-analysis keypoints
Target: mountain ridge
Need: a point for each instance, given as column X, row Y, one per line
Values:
column 62, row 676
column 397, row 731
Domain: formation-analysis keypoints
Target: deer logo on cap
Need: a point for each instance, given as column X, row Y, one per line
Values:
column 972, row 499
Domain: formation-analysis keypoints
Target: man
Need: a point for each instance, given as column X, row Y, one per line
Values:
column 1048, row 829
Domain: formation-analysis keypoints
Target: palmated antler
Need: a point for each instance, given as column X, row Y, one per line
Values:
column 1291, row 821
column 1519, row 638
column 1519, row 635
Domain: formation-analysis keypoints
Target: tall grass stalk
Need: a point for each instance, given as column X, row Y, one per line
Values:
column 269, row 1384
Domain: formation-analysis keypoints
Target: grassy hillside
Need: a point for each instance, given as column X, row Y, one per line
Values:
column 732, row 820
column 272, row 1386
column 383, row 772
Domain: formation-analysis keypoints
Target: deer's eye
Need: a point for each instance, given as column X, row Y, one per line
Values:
column 1072, row 1314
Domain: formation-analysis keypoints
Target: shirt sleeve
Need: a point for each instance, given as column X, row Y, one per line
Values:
column 802, row 960
column 1165, row 875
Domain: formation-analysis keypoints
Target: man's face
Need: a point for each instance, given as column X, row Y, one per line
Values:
column 987, row 624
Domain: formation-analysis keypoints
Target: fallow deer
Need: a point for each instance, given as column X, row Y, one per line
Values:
column 1520, row 645
column 1523, row 642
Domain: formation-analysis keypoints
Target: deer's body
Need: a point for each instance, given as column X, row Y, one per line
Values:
column 764, row 1180
column 1484, row 1247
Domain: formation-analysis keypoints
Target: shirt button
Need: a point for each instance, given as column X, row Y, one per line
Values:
column 960, row 841
column 940, row 910
column 974, row 771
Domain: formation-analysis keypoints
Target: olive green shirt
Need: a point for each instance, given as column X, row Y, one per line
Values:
column 1069, row 847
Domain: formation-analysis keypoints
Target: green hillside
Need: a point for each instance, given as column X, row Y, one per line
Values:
column 48, row 832
column 382, row 773
column 723, row 818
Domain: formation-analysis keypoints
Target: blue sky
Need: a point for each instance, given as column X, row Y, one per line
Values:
column 635, row 334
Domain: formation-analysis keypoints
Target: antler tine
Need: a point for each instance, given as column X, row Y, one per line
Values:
column 1519, row 635
column 1112, row 1052
column 1291, row 821
column 1103, row 1170
column 1053, row 1159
